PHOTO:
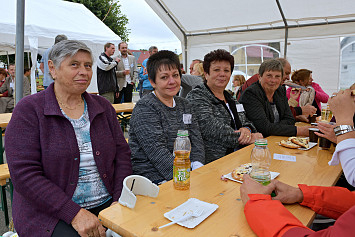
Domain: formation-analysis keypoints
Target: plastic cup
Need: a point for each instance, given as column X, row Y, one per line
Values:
column 313, row 118
column 312, row 136
column 324, row 143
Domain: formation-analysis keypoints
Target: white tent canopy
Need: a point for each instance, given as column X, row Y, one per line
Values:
column 44, row 20
column 314, row 28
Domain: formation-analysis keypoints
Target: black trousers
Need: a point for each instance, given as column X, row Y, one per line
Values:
column 63, row 229
column 126, row 92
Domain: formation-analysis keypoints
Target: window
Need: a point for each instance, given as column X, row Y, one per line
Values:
column 347, row 62
column 247, row 58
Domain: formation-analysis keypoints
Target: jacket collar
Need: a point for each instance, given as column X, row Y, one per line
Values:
column 213, row 97
column 51, row 106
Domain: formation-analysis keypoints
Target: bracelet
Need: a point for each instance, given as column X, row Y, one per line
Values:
column 342, row 129
column 248, row 129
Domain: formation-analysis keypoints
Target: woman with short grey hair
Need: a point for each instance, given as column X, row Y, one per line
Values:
column 266, row 104
column 66, row 152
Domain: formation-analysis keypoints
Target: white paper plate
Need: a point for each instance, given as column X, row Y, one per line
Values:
column 189, row 206
column 311, row 145
column 229, row 176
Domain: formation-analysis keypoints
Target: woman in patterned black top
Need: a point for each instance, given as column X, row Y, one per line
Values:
column 222, row 120
column 156, row 119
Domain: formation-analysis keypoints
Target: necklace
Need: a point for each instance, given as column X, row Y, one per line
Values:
column 80, row 101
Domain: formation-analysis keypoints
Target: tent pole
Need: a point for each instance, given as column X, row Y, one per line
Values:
column 8, row 59
column 185, row 50
column 286, row 26
column 28, row 60
column 178, row 26
column 20, row 16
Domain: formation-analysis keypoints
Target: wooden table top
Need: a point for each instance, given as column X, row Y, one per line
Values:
column 4, row 174
column 5, row 119
column 311, row 167
column 124, row 107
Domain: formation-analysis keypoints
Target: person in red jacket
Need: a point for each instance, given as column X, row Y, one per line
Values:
column 3, row 75
column 268, row 217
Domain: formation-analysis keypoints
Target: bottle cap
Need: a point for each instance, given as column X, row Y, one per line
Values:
column 183, row 133
column 261, row 142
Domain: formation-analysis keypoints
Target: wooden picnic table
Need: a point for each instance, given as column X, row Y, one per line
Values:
column 124, row 107
column 4, row 170
column 311, row 167
column 5, row 119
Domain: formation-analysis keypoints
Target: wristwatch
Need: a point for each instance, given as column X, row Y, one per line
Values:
column 342, row 129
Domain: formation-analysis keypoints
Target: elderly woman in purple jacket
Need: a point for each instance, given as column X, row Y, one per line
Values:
column 66, row 152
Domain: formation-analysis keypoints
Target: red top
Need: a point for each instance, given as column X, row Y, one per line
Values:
column 248, row 83
column 6, row 93
column 270, row 218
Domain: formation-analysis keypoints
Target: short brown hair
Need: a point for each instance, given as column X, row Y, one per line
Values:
column 217, row 55
column 107, row 45
column 301, row 75
column 119, row 45
column 239, row 78
column 3, row 72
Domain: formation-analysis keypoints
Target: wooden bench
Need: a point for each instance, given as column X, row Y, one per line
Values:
column 4, row 175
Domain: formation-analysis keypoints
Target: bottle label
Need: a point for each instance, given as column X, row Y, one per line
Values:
column 181, row 175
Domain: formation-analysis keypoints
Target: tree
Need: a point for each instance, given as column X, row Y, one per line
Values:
column 110, row 13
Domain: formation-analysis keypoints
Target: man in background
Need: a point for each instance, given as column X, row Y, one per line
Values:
column 193, row 63
column 47, row 78
column 143, row 74
column 296, row 111
column 127, row 74
column 26, row 75
column 106, row 73
column 189, row 82
column 7, row 103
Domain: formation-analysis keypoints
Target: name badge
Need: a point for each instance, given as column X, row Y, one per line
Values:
column 240, row 108
column 12, row 85
column 187, row 118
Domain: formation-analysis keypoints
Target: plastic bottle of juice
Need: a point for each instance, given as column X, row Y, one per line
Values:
column 261, row 161
column 182, row 164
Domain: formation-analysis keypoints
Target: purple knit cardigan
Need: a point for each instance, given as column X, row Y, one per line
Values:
column 43, row 158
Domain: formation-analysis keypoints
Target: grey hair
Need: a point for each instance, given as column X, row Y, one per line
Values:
column 271, row 65
column 59, row 38
column 283, row 61
column 67, row 48
column 151, row 48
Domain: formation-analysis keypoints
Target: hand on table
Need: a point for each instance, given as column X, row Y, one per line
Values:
column 245, row 136
column 308, row 110
column 342, row 105
column 255, row 136
column 250, row 186
column 302, row 118
column 113, row 203
column 88, row 225
column 303, row 131
column 286, row 193
column 327, row 131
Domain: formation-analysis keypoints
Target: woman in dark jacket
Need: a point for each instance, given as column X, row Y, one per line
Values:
column 266, row 104
column 222, row 120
